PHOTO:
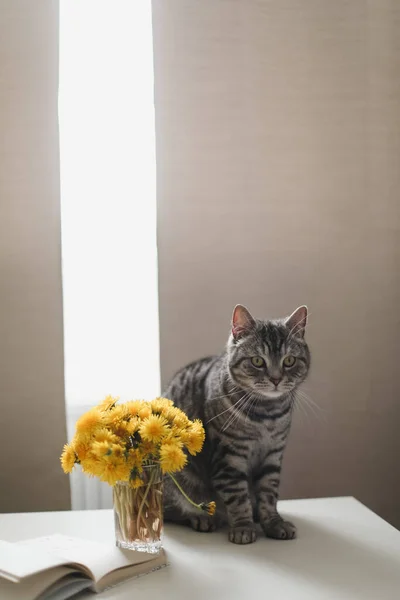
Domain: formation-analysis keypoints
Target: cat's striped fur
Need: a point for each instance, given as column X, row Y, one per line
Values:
column 246, row 411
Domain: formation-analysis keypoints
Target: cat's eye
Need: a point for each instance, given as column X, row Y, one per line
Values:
column 289, row 361
column 257, row 361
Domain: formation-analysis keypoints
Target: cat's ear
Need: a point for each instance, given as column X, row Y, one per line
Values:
column 297, row 321
column 242, row 322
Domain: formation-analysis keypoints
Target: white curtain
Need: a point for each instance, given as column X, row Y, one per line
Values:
column 107, row 148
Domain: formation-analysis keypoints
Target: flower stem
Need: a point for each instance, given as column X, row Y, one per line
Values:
column 149, row 484
column 183, row 493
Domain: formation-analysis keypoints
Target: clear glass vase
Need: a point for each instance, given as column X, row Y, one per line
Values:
column 138, row 513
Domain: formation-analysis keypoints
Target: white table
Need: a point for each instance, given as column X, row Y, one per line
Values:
column 343, row 551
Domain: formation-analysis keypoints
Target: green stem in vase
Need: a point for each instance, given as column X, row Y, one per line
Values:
column 150, row 483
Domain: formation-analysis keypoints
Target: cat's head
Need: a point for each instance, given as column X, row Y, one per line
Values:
column 270, row 358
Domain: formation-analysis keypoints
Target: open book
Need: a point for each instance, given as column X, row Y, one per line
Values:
column 57, row 567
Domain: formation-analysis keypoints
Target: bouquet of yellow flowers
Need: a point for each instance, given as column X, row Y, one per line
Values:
column 118, row 443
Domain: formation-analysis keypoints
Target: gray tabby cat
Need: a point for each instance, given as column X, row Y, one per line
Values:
column 245, row 399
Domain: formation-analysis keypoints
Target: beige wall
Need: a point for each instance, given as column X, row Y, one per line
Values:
column 278, row 147
column 32, row 419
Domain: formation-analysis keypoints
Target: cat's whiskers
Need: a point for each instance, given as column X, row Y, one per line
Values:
column 308, row 399
column 231, row 392
column 253, row 401
column 234, row 418
column 237, row 412
column 299, row 407
column 312, row 403
column 231, row 407
column 306, row 402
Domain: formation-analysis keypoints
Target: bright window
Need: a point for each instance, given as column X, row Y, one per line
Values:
column 108, row 198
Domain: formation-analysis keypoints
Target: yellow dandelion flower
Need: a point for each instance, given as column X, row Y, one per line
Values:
column 146, row 450
column 68, row 458
column 193, row 438
column 82, row 438
column 101, row 450
column 209, row 507
column 172, row 457
column 145, row 410
column 132, row 426
column 177, row 417
column 197, row 427
column 118, row 452
column 105, row 435
column 166, row 401
column 161, row 405
column 122, row 430
column 154, row 428
column 175, row 435
column 108, row 403
column 134, row 458
column 89, row 421
column 81, row 446
column 136, row 482
column 92, row 466
column 133, row 407
column 113, row 472
column 114, row 417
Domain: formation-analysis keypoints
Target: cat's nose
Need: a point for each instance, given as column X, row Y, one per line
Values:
column 276, row 380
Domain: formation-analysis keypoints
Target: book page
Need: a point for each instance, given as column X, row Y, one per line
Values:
column 133, row 571
column 99, row 558
column 18, row 561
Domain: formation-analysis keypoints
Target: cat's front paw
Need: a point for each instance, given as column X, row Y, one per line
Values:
column 245, row 534
column 278, row 529
column 203, row 523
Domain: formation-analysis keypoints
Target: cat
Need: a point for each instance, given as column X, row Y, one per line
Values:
column 245, row 399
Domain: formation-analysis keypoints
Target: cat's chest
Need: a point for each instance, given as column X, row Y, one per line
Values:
column 269, row 437
column 258, row 450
